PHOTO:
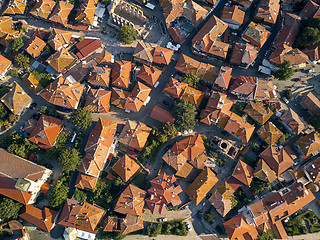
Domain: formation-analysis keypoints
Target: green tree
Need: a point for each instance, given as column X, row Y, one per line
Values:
column 13, row 118
column 59, row 194
column 315, row 122
column 191, row 79
column 208, row 217
column 288, row 94
column 267, row 235
column 308, row 36
column 258, row 186
column 284, row 72
column 19, row 150
column 79, row 195
column 69, row 159
column 118, row 182
column 80, row 39
column 42, row 110
column 9, row 209
column 3, row 111
column 169, row 130
column 127, row 34
column 17, row 44
column 22, row 60
column 81, row 118
column 185, row 114
column 14, row 72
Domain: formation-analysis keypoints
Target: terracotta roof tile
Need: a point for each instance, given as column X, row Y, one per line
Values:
column 258, row 112
column 294, row 121
column 150, row 75
column 118, row 97
column 61, row 60
column 7, row 30
column 35, row 46
column 309, row 143
column 121, row 74
column 161, row 115
column 5, row 64
column 264, row 172
column 104, row 58
column 130, row 223
column 162, row 56
column 221, row 199
column 61, row 12
column 85, row 181
column 313, row 170
column 243, row 173
column 144, row 51
column 87, row 46
column 43, row 8
column 174, row 88
column 310, row 9
column 58, row 38
column 268, row 10
column 137, row 97
column 86, row 12
column 126, row 167
column 270, row 133
column 32, row 83
column 98, row 100
column 99, row 76
column 311, row 103
column 256, row 34
column 232, row 15
column 192, row 95
column 16, row 7
column 243, row 54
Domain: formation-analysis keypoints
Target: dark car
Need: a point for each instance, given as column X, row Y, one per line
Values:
column 298, row 79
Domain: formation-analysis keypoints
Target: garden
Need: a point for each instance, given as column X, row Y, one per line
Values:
column 304, row 223
column 176, row 227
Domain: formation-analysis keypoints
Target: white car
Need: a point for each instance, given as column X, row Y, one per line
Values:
column 188, row 227
column 161, row 219
column 285, row 100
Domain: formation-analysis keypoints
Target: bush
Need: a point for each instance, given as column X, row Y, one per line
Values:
column 81, row 118
column 79, row 195
column 208, row 217
column 176, row 227
column 185, row 114
column 288, row 94
column 14, row 73
column 267, row 235
column 127, row 34
column 191, row 79
column 17, row 44
column 22, row 60
column 69, row 159
column 43, row 78
column 42, row 110
column 9, row 209
column 285, row 72
column 258, row 186
column 59, row 194
column 315, row 122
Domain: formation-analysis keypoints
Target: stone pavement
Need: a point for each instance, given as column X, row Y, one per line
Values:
column 170, row 215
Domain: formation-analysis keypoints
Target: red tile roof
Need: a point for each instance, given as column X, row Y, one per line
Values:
column 162, row 56
column 309, row 143
column 104, row 58
column 99, row 76
column 243, row 54
column 42, row 8
column 137, row 97
column 35, row 46
column 223, row 79
column 5, row 64
column 161, row 115
column 121, row 74
column 268, row 11
column 294, row 121
column 150, row 75
column 243, row 173
column 256, row 34
column 61, row 12
column 98, row 100
column 126, row 167
column 85, row 181
column 87, row 46
column 174, row 88
column 311, row 103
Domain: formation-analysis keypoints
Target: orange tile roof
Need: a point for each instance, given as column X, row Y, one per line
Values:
column 162, row 193
column 310, row 9
column 126, row 167
column 137, row 97
column 161, row 114
column 43, row 219
column 7, row 30
column 258, row 112
column 63, row 92
column 150, row 75
column 144, row 51
column 256, row 34
column 221, row 199
column 313, row 170
column 130, row 223
column 223, row 79
column 192, row 95
column 311, row 103
column 16, row 99
column 5, row 64
column 61, row 12
column 269, row 133
column 35, row 46
column 162, row 55
column 43, row 8
column 131, row 201
column 243, row 173
column 85, row 181
column 32, row 83
column 16, row 7
column 264, row 172
column 244, row 86
column 99, row 76
column 134, row 135
column 87, row 46
column 86, row 12
column 85, row 216
column 97, row 147
column 279, row 160
column 45, row 133
column 61, row 60
column 104, row 58
column 121, row 74
column 309, row 143
column 203, row 183
column 294, row 121
column 58, row 38
column 98, row 100
column 118, row 97
column 174, row 88
column 294, row 56
column 243, row 54
column 259, row 212
column 268, row 10
column 232, row 15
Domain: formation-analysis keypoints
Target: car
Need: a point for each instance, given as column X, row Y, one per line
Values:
column 285, row 100
column 64, row 71
column 161, row 219
column 33, row 105
column 179, row 50
column 188, row 227
column 311, row 71
column 297, row 79
column 185, row 207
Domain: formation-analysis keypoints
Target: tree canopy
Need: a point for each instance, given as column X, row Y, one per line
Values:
column 16, row 44
column 288, row 94
column 81, row 118
column 267, row 235
column 69, row 159
column 285, row 72
column 315, row 122
column 79, row 195
column 22, row 60
column 185, row 114
column 309, row 33
column 169, row 130
column 191, row 79
column 127, row 34
column 59, row 194
column 9, row 209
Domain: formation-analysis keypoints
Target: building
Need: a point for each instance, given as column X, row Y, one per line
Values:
column 138, row 97
column 242, row 175
column 61, row 60
column 163, row 194
column 258, row 112
column 81, row 216
column 86, row 13
column 310, row 10
column 35, row 46
column 243, row 54
column 233, row 16
column 161, row 114
column 269, row 133
column 256, row 34
column 200, row 187
column 21, row 179
column 192, row 95
column 64, row 92
column 104, row 59
column 311, row 103
column 174, row 88
column 279, row 160
column 42, row 8
column 126, row 167
column 43, row 219
column 5, row 65
column 98, row 100
column 86, row 182
column 293, row 121
column 207, row 43
column 309, row 144
column 237, row 226
column 8, row 31
column 223, row 79
column 120, row 76
column 268, row 11
column 46, row 132
column 130, row 223
column 312, row 170
column 99, row 76
column 221, row 199
column 32, row 83
column 16, row 100
column 265, row 173
column 134, row 135
column 118, row 97
column 149, row 75
column 87, row 46
column 58, row 38
column 131, row 201
column 60, row 13
column 16, row 7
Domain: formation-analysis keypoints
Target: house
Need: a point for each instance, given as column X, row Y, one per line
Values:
column 223, row 79
column 8, row 31
column 265, row 173
column 174, row 88
column 163, row 194
column 43, row 219
column 309, row 144
column 243, row 54
column 258, row 112
column 80, row 72
column 99, row 76
column 134, row 135
column 41, row 33
column 221, row 199
column 256, row 34
column 85, row 14
column 5, row 65
column 138, row 97
column 149, row 75
column 46, row 132
column 126, row 167
column 42, row 8
column 162, row 56
column 313, row 52
column 293, row 121
column 131, row 201
column 87, row 46
column 312, row 170
column 242, row 175
column 162, row 115
column 118, row 97
column 233, row 16
column 16, row 7
column 121, row 74
column 58, row 38
column 130, row 223
column 16, row 100
column 310, row 10
column 35, row 46
column 82, row 218
column 200, row 187
column 186, row 154
column 268, row 11
column 279, row 160
column 192, row 95
column 86, row 182
column 60, row 13
column 98, row 100
column 244, row 4
column 29, row 126
column 206, row 42
column 296, row 57
column 64, row 92
column 269, row 133
column 61, row 60
column 21, row 179
column 104, row 59
column 99, row 145
column 311, row 103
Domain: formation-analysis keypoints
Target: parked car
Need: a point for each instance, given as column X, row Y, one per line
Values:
column 297, row 79
column 188, row 227
column 285, row 100
column 162, row 219
column 311, row 70
column 185, row 207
